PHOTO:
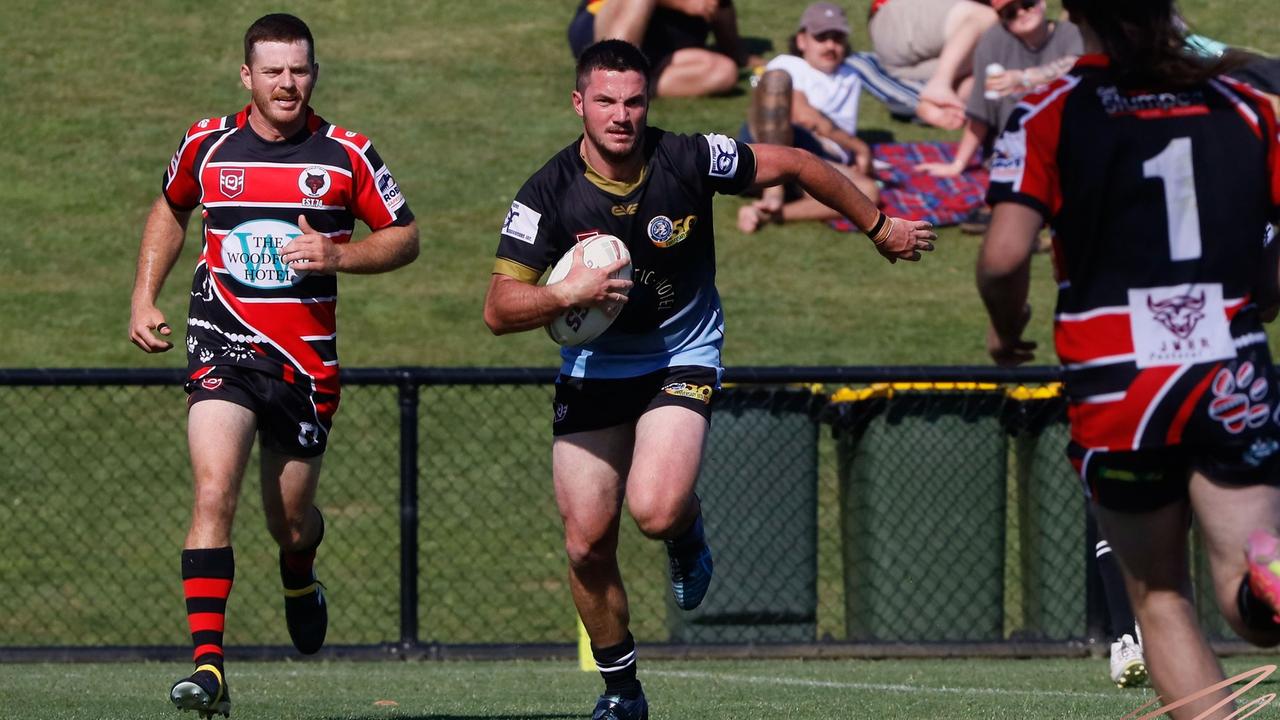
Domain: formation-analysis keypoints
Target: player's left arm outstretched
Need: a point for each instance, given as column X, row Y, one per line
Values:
column 383, row 250
column 1004, row 280
column 895, row 238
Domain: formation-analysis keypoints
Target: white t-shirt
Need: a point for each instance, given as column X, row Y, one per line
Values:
column 835, row 95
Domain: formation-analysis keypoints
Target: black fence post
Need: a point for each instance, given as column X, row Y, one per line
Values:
column 408, row 511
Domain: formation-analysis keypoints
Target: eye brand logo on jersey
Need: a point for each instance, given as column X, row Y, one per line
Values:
column 251, row 254
column 522, row 222
column 664, row 232
column 314, row 182
column 211, row 383
column 388, row 188
column 625, row 209
column 231, row 181
column 724, row 155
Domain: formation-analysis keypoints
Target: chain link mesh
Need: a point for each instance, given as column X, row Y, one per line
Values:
column 879, row 514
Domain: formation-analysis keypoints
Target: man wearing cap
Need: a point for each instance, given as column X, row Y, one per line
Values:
column 809, row 99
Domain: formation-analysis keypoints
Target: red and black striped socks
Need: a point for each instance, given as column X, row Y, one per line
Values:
column 206, row 583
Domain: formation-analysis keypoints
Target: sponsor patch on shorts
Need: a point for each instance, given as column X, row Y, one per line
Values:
column 689, row 390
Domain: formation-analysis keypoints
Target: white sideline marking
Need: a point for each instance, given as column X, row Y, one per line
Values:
column 758, row 680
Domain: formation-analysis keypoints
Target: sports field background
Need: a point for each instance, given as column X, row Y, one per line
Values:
column 464, row 100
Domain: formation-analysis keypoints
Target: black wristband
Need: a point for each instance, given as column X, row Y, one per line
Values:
column 875, row 229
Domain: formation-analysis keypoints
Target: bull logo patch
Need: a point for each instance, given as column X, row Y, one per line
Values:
column 1179, row 314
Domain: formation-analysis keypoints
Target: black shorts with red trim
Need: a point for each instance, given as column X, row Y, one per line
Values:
column 1145, row 480
column 583, row 404
column 292, row 419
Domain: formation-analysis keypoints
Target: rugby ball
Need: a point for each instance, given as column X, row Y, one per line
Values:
column 580, row 325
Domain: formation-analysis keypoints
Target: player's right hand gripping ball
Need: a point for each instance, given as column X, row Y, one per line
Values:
column 580, row 325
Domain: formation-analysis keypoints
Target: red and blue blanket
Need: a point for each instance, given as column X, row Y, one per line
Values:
column 915, row 195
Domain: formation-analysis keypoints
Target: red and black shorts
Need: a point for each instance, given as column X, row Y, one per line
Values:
column 1145, row 480
column 583, row 404
column 292, row 420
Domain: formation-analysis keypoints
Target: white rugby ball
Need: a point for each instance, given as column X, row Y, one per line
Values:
column 580, row 325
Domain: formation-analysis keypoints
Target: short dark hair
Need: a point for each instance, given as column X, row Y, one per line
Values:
column 617, row 55
column 278, row 27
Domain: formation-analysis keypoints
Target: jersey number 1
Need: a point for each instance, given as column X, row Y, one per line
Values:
column 1174, row 168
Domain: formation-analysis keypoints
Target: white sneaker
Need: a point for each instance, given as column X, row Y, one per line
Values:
column 1128, row 669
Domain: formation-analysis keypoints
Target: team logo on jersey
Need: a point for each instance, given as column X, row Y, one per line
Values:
column 665, row 232
column 1179, row 325
column 388, row 189
column 231, row 181
column 251, row 254
column 314, row 182
column 1237, row 399
column 522, row 222
column 724, row 155
column 1179, row 314
column 661, row 230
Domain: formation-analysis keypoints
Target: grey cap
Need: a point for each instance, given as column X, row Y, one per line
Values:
column 821, row 17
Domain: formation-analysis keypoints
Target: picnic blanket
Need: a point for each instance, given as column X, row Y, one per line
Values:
column 920, row 196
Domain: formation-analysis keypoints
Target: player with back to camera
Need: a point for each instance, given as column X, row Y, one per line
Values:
column 631, row 407
column 261, row 348
column 1158, row 175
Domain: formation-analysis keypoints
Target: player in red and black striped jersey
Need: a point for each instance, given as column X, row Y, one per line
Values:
column 281, row 190
column 1159, row 177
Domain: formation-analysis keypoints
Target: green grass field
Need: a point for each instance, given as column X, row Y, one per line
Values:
column 710, row 690
column 464, row 101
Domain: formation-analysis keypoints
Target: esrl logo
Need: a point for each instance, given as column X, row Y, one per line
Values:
column 251, row 254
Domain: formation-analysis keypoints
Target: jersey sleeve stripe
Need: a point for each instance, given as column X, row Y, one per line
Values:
column 360, row 151
column 513, row 269
column 1246, row 112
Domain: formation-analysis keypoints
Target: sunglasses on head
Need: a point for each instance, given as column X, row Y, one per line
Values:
column 1010, row 11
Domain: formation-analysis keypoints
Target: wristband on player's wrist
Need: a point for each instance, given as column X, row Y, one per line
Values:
column 879, row 233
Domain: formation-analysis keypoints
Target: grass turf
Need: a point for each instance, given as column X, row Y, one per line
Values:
column 711, row 690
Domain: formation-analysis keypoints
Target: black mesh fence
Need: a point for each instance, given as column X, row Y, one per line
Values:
column 846, row 506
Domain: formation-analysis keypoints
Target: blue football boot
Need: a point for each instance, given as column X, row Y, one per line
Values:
column 691, row 566
column 616, row 707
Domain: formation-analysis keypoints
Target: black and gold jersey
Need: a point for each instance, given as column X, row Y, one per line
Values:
column 673, row 314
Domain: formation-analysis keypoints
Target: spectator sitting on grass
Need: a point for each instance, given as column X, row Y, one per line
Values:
column 809, row 99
